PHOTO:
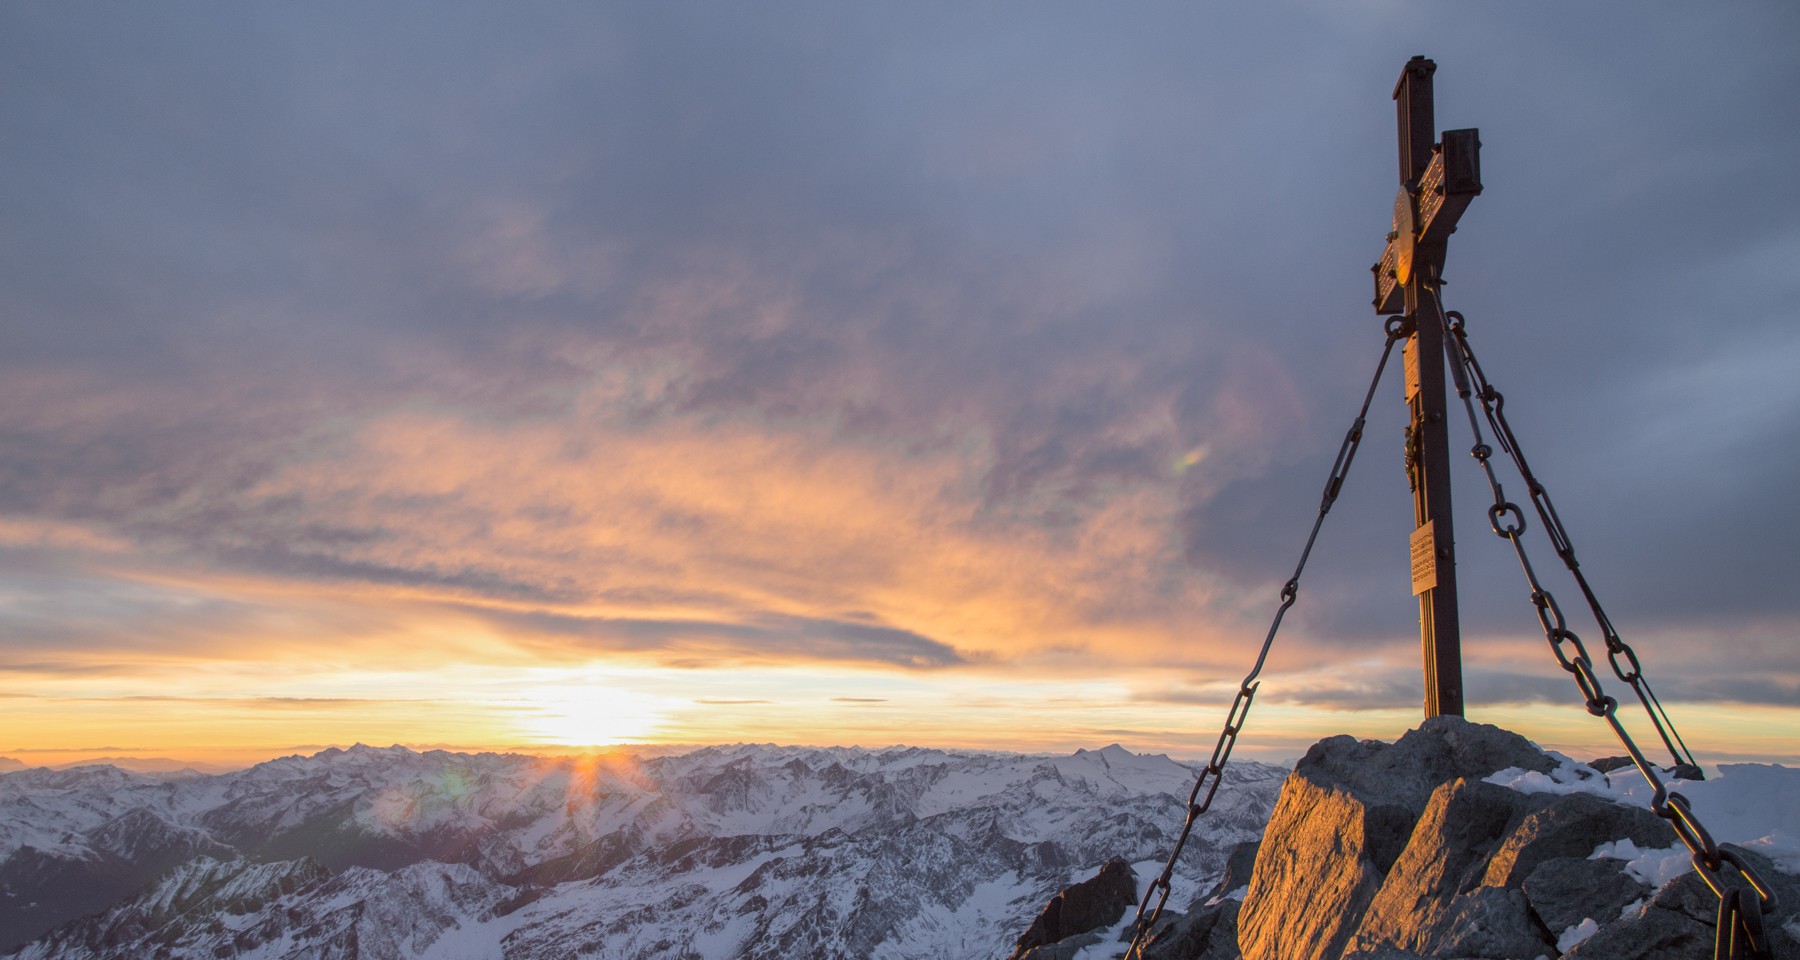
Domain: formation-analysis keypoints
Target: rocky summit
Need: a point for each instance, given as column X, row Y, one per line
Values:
column 1460, row 840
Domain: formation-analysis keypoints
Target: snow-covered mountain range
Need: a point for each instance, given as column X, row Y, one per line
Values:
column 738, row 851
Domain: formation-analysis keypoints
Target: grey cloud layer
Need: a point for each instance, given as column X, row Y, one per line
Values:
column 1085, row 244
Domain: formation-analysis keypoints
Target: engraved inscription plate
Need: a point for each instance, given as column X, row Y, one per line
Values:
column 1389, row 298
column 1431, row 191
column 1409, row 353
column 1424, row 559
column 1405, row 232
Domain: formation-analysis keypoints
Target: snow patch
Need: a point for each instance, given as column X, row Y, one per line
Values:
column 1749, row 804
column 1239, row 894
column 1654, row 867
column 1107, row 947
column 1568, row 777
column 1576, row 934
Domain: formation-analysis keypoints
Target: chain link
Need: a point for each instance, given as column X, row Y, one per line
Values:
column 1740, row 928
column 1213, row 773
column 1471, row 380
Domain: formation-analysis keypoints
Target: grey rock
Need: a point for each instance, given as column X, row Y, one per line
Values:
column 1238, row 867
column 1342, row 821
column 1609, row 764
column 1389, row 852
column 1419, row 900
column 1571, row 826
column 1664, row 929
column 1209, row 933
column 1065, row 949
column 43, row 889
column 1490, row 922
column 1685, row 771
column 1565, row 891
column 189, row 900
column 1679, row 921
column 1086, row 906
column 1406, row 772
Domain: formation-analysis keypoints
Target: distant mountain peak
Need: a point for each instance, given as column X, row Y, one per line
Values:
column 555, row 854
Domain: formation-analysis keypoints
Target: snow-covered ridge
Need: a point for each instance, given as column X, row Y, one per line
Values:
column 1753, row 805
column 734, row 850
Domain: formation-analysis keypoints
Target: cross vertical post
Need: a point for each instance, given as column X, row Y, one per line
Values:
column 1437, row 181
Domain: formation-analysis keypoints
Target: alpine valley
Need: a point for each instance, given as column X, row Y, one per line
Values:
column 749, row 851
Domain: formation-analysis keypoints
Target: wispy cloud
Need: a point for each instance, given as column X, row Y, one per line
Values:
column 697, row 643
column 834, row 338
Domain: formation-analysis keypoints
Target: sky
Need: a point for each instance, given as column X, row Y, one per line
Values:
column 534, row 376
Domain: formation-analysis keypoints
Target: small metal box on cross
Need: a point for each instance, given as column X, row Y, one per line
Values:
column 1438, row 178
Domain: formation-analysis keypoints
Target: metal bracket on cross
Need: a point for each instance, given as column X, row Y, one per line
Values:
column 1430, row 203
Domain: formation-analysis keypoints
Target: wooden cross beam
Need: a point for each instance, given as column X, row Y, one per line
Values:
column 1438, row 178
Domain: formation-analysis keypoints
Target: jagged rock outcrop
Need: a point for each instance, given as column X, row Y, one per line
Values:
column 1678, row 920
column 1204, row 933
column 1395, row 851
column 1342, row 822
column 204, row 895
column 42, row 888
column 1208, row 930
column 1092, row 904
column 1415, row 850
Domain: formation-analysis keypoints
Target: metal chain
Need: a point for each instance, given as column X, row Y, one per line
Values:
column 1740, row 929
column 1493, row 404
column 1240, row 706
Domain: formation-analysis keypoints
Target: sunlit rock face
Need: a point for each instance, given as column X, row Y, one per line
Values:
column 726, row 852
column 1343, row 820
column 1463, row 840
column 1406, row 850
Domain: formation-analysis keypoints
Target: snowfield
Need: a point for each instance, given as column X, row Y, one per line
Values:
column 737, row 851
column 1754, row 805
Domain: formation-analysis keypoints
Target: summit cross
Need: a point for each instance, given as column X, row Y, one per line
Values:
column 1438, row 178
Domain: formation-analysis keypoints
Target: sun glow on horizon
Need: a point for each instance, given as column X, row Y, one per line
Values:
column 590, row 715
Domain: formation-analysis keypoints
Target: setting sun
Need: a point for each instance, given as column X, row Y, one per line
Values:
column 590, row 715
column 810, row 479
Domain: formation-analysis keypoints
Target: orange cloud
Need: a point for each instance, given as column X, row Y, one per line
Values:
column 726, row 522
